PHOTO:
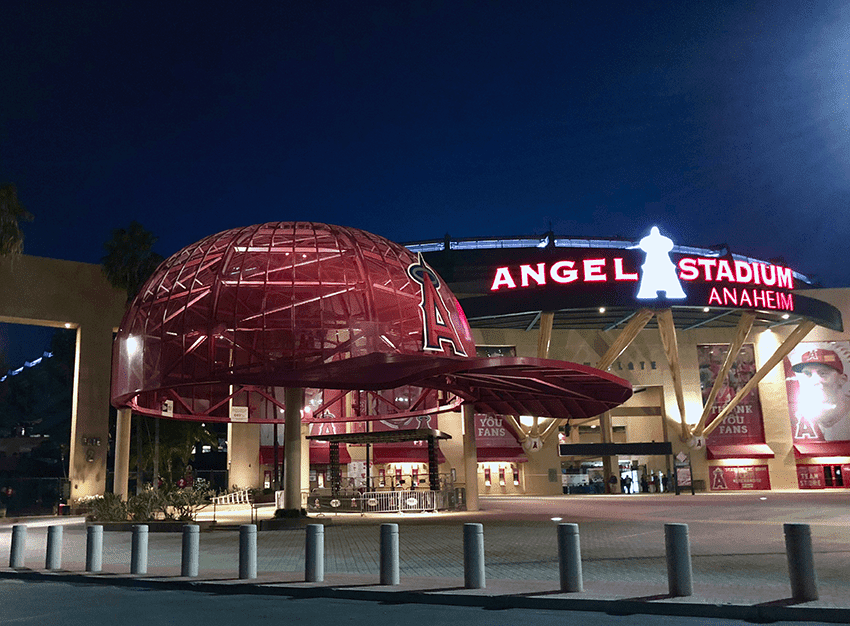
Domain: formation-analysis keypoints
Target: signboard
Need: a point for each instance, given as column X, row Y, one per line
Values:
column 238, row 413
column 728, row 478
column 810, row 477
column 744, row 425
column 816, row 379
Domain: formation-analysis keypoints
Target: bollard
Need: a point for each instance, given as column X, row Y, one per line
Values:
column 94, row 548
column 569, row 558
column 139, row 550
column 53, row 555
column 191, row 549
column 679, row 571
column 17, row 554
column 314, row 562
column 248, row 551
column 389, row 554
column 473, row 556
column 801, row 563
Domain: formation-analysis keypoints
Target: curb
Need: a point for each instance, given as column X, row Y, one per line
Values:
column 753, row 613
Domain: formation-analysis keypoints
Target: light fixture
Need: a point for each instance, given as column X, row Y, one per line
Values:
column 602, row 309
column 705, row 309
column 785, row 316
column 557, row 519
column 67, row 325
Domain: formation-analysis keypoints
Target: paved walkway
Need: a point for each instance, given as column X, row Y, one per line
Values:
column 737, row 548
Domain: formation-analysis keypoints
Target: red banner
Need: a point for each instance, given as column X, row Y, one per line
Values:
column 728, row 478
column 744, row 425
column 810, row 477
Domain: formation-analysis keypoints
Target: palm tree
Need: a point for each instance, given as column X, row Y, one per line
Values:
column 130, row 259
column 12, row 213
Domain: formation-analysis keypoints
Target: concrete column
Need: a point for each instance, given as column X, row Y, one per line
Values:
column 569, row 558
column 18, row 549
column 389, row 554
column 191, row 550
column 470, row 458
column 248, row 551
column 139, row 550
column 473, row 556
column 293, row 440
column 243, row 455
column 53, row 555
column 314, row 556
column 94, row 548
column 123, row 431
column 801, row 562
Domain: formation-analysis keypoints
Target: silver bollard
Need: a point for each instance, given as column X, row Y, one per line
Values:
column 139, row 550
column 94, row 548
column 248, row 551
column 389, row 554
column 17, row 554
column 801, row 562
column 679, row 571
column 53, row 554
column 191, row 550
column 473, row 556
column 314, row 561
column 569, row 558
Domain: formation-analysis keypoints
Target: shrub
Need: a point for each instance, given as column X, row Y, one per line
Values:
column 107, row 508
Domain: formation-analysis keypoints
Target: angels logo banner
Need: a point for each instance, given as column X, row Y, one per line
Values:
column 816, row 379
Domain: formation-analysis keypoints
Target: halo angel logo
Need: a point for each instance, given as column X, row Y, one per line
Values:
column 438, row 331
column 658, row 273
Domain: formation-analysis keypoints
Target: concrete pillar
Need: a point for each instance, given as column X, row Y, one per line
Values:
column 473, row 556
column 123, row 431
column 191, row 550
column 389, row 554
column 139, row 550
column 679, row 571
column 569, row 558
column 243, row 455
column 18, row 549
column 314, row 555
column 53, row 555
column 470, row 458
column 801, row 562
column 293, row 440
column 248, row 551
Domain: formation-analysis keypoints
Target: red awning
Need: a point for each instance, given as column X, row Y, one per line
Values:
column 822, row 448
column 504, row 454
column 319, row 455
column 402, row 453
column 740, row 451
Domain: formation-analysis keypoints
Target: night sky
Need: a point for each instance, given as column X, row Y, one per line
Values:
column 720, row 122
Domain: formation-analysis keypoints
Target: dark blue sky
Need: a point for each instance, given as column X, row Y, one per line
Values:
column 721, row 122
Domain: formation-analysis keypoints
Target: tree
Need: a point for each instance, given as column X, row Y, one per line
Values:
column 130, row 259
column 12, row 213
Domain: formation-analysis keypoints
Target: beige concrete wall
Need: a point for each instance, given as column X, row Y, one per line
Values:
column 68, row 294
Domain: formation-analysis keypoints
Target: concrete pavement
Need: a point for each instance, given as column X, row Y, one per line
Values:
column 737, row 547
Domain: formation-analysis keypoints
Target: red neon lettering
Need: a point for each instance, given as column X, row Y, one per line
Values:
column 688, row 269
column 764, row 276
column 503, row 279
column 593, row 270
column 756, row 299
column 756, row 277
column 619, row 274
column 745, row 296
column 714, row 297
column 562, row 272
column 785, row 301
column 771, row 303
column 706, row 265
column 527, row 272
column 785, row 278
column 743, row 272
column 730, row 295
column 724, row 271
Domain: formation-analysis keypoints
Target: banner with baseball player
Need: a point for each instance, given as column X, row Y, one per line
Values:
column 744, row 425
column 816, row 379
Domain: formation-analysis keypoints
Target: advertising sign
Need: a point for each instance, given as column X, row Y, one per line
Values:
column 492, row 432
column 810, row 477
column 744, row 425
column 738, row 478
column 816, row 379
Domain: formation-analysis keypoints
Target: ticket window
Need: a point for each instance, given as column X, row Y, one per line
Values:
column 502, row 475
column 487, row 477
column 515, row 472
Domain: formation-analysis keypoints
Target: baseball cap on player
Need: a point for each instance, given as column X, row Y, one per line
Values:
column 819, row 355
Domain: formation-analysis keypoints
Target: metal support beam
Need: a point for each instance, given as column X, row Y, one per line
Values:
column 667, row 330
column 294, row 401
column 744, row 326
column 796, row 336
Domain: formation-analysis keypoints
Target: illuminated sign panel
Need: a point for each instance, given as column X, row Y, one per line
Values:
column 645, row 272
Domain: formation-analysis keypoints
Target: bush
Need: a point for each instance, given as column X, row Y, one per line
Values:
column 174, row 504
column 107, row 508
